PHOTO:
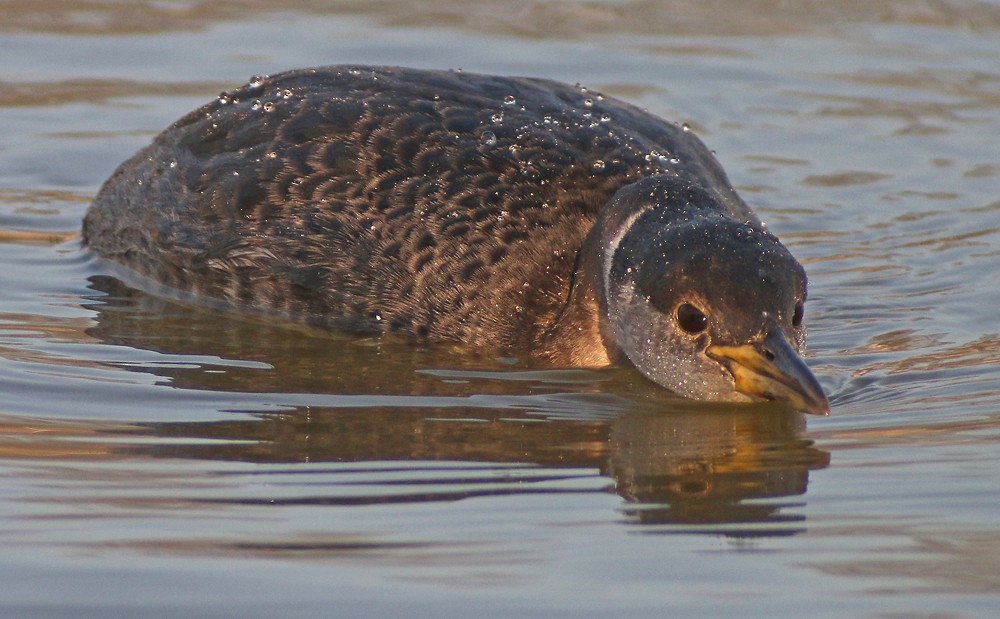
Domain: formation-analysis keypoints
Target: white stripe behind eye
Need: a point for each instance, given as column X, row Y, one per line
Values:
column 612, row 247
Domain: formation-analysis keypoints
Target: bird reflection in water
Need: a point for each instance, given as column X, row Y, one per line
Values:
column 680, row 465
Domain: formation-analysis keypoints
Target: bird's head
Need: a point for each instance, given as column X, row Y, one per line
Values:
column 700, row 302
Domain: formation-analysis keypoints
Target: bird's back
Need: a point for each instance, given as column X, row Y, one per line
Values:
column 436, row 204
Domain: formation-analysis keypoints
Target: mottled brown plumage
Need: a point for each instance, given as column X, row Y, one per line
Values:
column 438, row 205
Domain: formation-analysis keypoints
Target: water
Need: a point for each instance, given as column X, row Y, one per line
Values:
column 163, row 461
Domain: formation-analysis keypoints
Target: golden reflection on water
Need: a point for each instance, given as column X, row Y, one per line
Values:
column 48, row 440
column 684, row 469
column 691, row 465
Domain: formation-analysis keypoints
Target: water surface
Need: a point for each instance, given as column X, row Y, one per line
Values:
column 163, row 460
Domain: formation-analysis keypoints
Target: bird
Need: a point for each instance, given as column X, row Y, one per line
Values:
column 514, row 215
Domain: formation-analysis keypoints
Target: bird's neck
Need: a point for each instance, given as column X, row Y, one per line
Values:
column 580, row 335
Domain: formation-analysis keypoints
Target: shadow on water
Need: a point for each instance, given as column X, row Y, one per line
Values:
column 693, row 466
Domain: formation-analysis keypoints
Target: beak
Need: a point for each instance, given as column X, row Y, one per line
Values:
column 771, row 369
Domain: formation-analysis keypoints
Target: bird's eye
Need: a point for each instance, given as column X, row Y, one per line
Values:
column 797, row 314
column 691, row 319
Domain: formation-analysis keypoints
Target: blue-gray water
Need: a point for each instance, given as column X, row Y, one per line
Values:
column 160, row 461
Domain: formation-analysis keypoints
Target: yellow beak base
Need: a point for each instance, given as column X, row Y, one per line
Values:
column 771, row 369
